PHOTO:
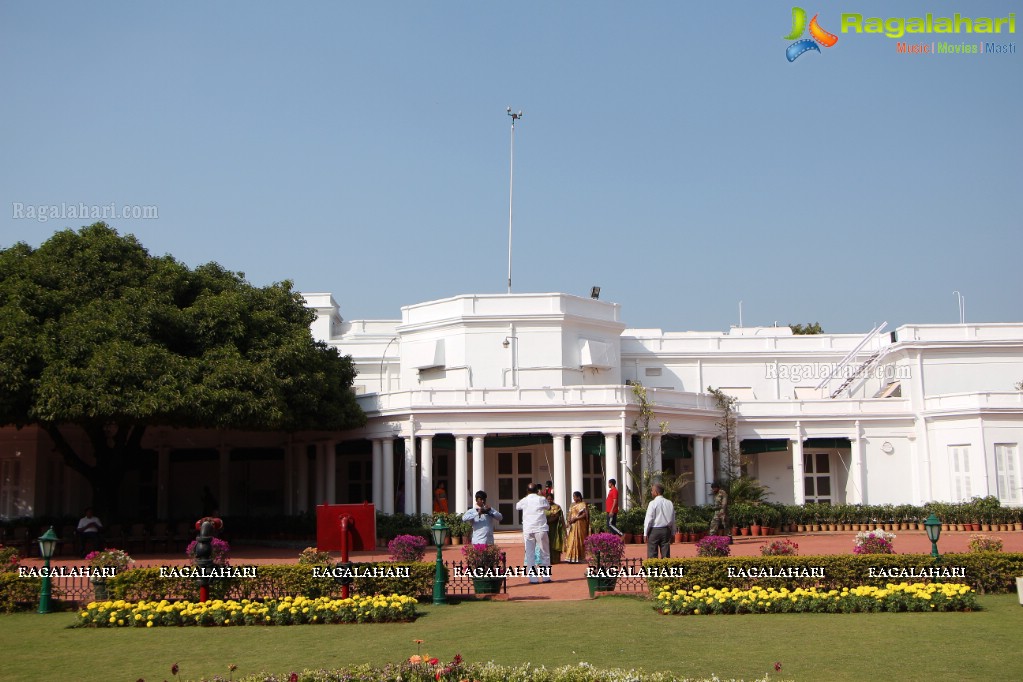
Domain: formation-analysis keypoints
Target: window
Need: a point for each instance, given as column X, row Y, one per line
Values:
column 1007, row 470
column 960, row 468
column 817, row 477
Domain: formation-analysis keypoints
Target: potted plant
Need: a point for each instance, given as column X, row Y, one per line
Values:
column 780, row 547
column 105, row 564
column 604, row 553
column 486, row 566
column 714, row 545
column 407, row 548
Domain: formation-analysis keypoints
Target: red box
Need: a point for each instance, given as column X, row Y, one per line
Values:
column 363, row 535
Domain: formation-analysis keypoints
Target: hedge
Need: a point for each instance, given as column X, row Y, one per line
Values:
column 985, row 572
column 272, row 581
column 18, row 594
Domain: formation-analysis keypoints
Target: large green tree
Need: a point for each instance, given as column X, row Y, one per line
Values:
column 97, row 333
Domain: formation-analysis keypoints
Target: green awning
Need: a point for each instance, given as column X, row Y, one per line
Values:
column 827, row 443
column 755, row 446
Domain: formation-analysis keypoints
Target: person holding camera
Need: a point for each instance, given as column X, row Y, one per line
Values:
column 482, row 518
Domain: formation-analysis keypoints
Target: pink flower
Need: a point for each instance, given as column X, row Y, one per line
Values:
column 777, row 666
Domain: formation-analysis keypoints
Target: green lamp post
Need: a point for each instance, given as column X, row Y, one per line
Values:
column 933, row 527
column 439, row 531
column 47, row 546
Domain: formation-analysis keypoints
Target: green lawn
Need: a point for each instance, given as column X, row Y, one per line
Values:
column 608, row 632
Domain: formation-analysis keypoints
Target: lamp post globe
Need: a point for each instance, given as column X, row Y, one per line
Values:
column 933, row 527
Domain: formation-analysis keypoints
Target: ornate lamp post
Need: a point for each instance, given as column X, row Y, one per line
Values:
column 933, row 527
column 47, row 546
column 439, row 531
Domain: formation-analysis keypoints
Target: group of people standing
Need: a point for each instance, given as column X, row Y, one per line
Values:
column 545, row 528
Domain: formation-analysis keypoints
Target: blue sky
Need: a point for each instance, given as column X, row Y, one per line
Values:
column 668, row 153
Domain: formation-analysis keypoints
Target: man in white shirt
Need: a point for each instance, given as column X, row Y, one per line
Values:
column 659, row 524
column 482, row 518
column 534, row 532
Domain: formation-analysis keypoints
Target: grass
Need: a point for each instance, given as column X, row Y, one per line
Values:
column 608, row 632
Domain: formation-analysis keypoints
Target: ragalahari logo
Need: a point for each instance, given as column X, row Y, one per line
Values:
column 819, row 35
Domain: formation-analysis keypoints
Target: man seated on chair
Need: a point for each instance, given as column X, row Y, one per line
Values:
column 89, row 533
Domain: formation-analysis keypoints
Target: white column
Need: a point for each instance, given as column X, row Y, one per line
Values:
column 426, row 474
column 577, row 462
column 388, row 456
column 610, row 457
column 410, row 475
column 708, row 461
column 162, row 482
column 461, row 475
column 699, row 472
column 855, row 493
column 478, row 480
column 655, row 445
column 558, row 478
column 378, row 475
column 623, row 479
column 798, row 493
column 225, row 479
column 303, row 479
column 330, row 461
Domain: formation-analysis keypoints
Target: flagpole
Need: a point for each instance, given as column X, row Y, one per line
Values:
column 511, row 191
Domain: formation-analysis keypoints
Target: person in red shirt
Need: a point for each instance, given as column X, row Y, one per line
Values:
column 611, row 506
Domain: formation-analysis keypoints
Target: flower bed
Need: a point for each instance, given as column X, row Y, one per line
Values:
column 985, row 572
column 476, row 672
column 863, row 599
column 287, row 611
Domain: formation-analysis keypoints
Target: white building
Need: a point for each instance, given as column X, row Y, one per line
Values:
column 496, row 391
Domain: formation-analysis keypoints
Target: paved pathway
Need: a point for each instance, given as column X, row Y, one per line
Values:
column 569, row 580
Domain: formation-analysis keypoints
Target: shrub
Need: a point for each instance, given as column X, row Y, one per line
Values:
column 110, row 557
column 781, row 547
column 860, row 599
column 18, row 594
column 984, row 572
column 874, row 542
column 272, row 581
column 287, row 611
column 9, row 558
column 311, row 555
column 604, row 549
column 985, row 543
column 486, row 557
column 407, row 548
column 714, row 545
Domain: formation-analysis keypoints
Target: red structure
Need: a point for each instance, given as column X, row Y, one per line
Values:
column 362, row 527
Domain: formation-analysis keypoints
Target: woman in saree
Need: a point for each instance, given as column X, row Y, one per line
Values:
column 578, row 530
column 556, row 528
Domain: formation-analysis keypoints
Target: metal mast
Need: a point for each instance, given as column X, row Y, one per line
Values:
column 511, row 190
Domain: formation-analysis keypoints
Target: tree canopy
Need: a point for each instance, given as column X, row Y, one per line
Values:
column 96, row 332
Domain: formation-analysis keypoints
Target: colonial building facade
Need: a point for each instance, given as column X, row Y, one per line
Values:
column 495, row 391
